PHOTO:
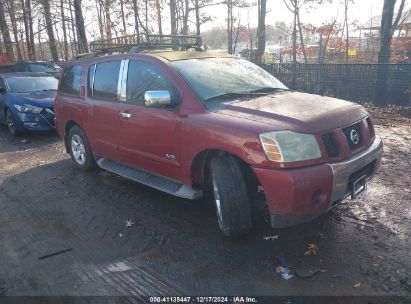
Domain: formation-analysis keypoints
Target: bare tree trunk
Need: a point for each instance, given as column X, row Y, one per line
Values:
column 136, row 17
column 185, row 18
column 26, row 20
column 123, row 18
column 346, row 32
column 385, row 52
column 300, row 30
column 230, row 26
column 39, row 38
column 73, row 28
column 197, row 13
column 108, row 18
column 83, row 47
column 49, row 28
column 5, row 32
column 261, row 30
column 10, row 7
column 173, row 19
column 30, row 23
column 160, row 27
column 63, row 23
column 100, row 18
column 295, row 38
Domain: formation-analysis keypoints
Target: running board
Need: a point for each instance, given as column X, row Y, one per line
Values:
column 149, row 179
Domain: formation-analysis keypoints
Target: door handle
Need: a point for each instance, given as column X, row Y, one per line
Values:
column 125, row 114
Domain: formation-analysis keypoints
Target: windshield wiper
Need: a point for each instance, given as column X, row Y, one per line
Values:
column 268, row 90
column 46, row 90
column 234, row 95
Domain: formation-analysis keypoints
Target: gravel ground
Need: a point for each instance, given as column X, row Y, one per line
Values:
column 173, row 246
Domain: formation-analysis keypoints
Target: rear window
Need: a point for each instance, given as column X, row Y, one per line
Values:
column 71, row 80
column 103, row 80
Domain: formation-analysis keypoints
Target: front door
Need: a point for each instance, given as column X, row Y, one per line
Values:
column 149, row 136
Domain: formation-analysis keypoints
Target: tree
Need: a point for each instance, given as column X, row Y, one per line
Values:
column 10, row 8
column 28, row 28
column 5, row 32
column 49, row 29
column 262, row 10
column 384, row 54
column 81, row 32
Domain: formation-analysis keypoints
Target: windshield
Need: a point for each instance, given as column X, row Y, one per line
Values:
column 31, row 84
column 212, row 77
column 46, row 67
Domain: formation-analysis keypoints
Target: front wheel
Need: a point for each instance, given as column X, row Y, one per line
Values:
column 231, row 196
column 80, row 150
column 11, row 124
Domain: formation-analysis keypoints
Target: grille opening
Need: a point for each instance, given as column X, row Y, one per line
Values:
column 330, row 144
column 347, row 132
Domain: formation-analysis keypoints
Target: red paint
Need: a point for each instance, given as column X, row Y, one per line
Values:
column 144, row 139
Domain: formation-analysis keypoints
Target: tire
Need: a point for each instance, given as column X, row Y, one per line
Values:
column 80, row 150
column 231, row 196
column 11, row 124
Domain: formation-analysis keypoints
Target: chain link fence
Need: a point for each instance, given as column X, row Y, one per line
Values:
column 355, row 82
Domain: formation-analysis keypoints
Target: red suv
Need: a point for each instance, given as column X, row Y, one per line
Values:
column 184, row 122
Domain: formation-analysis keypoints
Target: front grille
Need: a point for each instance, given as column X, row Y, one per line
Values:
column 49, row 117
column 354, row 136
column 330, row 144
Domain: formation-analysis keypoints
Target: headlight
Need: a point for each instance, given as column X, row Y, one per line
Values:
column 28, row 108
column 289, row 146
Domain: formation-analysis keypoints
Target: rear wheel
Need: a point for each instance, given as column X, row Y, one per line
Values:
column 80, row 150
column 11, row 124
column 231, row 196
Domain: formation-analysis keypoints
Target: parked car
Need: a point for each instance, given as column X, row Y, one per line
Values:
column 27, row 101
column 189, row 122
column 48, row 67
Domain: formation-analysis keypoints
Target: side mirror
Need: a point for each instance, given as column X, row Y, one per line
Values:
column 158, row 99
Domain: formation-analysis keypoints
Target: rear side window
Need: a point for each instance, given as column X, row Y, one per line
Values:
column 142, row 77
column 103, row 80
column 71, row 80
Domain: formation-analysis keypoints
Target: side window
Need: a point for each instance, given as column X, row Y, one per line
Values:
column 71, row 80
column 105, row 81
column 142, row 77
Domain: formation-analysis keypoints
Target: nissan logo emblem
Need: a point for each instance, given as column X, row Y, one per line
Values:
column 355, row 137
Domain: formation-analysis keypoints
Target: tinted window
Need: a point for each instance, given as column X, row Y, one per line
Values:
column 142, row 77
column 25, row 84
column 70, row 82
column 105, row 80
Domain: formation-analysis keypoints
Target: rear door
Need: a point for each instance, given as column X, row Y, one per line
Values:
column 148, row 137
column 102, row 107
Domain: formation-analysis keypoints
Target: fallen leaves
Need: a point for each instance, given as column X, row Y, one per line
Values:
column 270, row 238
column 357, row 285
column 129, row 223
column 380, row 257
column 312, row 249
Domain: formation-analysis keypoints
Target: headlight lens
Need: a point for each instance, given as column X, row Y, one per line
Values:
column 28, row 108
column 289, row 146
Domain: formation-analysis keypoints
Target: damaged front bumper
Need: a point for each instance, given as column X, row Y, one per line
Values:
column 296, row 196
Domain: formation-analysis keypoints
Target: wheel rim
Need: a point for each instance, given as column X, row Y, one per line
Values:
column 78, row 149
column 10, row 123
column 217, row 198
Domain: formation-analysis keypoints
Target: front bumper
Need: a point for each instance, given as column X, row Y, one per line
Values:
column 43, row 121
column 295, row 196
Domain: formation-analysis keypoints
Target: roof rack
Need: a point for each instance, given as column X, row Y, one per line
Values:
column 138, row 43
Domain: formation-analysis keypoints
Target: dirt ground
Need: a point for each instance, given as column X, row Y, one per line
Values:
column 173, row 246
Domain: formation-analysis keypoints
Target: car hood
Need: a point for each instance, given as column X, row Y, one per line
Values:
column 38, row 99
column 296, row 111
